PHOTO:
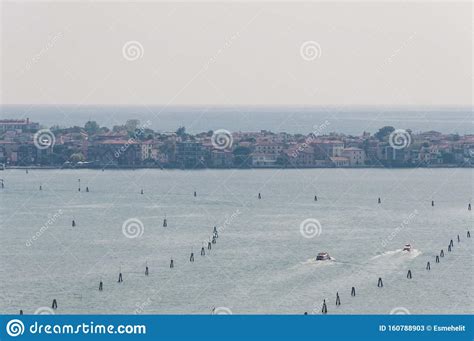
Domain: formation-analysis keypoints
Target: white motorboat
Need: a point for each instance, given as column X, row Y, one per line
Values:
column 323, row 256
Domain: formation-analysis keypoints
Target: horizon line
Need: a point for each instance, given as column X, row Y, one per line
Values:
column 345, row 106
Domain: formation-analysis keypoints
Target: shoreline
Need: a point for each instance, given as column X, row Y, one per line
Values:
column 228, row 168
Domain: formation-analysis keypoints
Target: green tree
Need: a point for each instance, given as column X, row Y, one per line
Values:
column 383, row 132
column 77, row 157
column 181, row 132
column 132, row 125
column 91, row 127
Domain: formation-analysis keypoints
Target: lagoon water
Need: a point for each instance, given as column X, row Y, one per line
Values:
column 261, row 262
column 303, row 120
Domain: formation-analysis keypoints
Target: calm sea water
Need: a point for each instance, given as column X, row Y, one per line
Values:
column 293, row 120
column 261, row 262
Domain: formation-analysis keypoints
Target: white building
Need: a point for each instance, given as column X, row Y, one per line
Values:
column 355, row 155
column 264, row 160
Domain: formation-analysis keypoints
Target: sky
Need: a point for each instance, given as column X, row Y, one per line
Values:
column 239, row 53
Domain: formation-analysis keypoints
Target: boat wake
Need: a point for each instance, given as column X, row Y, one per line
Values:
column 313, row 261
column 398, row 254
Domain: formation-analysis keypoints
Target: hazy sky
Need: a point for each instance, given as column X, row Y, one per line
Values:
column 367, row 53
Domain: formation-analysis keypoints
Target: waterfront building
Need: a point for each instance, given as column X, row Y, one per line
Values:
column 190, row 154
column 21, row 125
column 300, row 157
column 355, row 155
column 222, row 159
column 325, row 149
column 340, row 161
column 260, row 160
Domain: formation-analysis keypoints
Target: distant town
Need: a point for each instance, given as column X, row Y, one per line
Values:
column 135, row 145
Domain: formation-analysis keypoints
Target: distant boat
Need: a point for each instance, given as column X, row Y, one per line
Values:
column 323, row 256
column 407, row 247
